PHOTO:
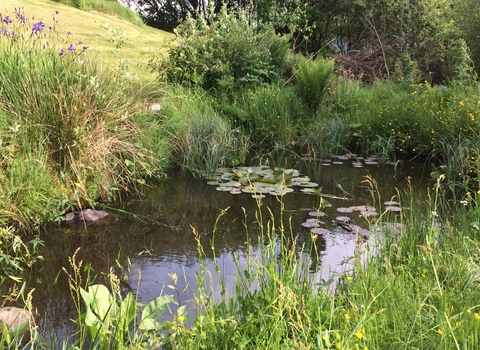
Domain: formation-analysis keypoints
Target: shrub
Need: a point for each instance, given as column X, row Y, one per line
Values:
column 231, row 50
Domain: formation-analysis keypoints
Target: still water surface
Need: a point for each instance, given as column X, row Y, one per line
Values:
column 155, row 239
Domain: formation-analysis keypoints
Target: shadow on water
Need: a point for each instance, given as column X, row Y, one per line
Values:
column 157, row 240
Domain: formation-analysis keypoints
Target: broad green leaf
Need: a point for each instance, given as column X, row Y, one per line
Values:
column 156, row 307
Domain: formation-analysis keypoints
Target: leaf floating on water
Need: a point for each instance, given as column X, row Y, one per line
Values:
column 393, row 208
column 214, row 183
column 308, row 184
column 320, row 231
column 345, row 210
column 391, row 203
column 343, row 219
column 317, row 214
column 258, row 196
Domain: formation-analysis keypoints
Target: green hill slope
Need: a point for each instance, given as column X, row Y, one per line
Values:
column 89, row 27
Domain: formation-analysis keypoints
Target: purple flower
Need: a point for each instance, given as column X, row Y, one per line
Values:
column 57, row 12
column 84, row 48
column 38, row 27
column 62, row 53
column 69, row 33
column 71, row 48
column 7, row 20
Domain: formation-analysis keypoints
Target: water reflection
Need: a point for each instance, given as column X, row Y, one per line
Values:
column 157, row 240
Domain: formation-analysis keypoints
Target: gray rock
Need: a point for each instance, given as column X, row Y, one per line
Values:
column 86, row 215
column 15, row 319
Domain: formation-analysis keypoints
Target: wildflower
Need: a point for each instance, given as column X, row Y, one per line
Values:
column 84, row 48
column 38, row 27
column 458, row 324
column 339, row 345
column 478, row 192
column 476, row 316
column 440, row 331
column 349, row 278
column 464, row 202
column 71, row 48
column 347, row 317
column 359, row 335
column 57, row 12
column 69, row 33
column 461, row 103
column 61, row 53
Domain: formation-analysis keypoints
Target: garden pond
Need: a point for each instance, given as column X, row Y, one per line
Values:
column 151, row 237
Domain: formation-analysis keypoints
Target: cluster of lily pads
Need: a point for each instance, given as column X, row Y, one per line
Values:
column 261, row 180
column 317, row 218
column 355, row 159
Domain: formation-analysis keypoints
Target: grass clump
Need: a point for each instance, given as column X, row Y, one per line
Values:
column 73, row 117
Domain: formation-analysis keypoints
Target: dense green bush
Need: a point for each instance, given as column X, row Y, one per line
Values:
column 231, row 50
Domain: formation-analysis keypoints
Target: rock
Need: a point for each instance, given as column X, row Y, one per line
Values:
column 15, row 319
column 154, row 107
column 88, row 215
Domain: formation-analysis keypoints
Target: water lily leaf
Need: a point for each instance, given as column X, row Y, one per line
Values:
column 214, row 183
column 320, row 231
column 308, row 184
column 317, row 214
column 268, row 180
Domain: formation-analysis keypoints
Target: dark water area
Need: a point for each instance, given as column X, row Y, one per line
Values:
column 155, row 239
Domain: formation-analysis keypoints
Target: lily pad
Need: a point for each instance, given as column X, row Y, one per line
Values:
column 393, row 208
column 320, row 231
column 318, row 214
column 390, row 203
column 345, row 210
column 343, row 219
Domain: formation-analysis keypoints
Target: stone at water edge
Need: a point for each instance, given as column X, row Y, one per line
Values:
column 14, row 318
column 88, row 215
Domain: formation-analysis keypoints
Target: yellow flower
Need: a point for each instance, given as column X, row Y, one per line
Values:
column 365, row 348
column 476, row 316
column 339, row 345
column 347, row 317
column 349, row 278
column 458, row 324
column 359, row 335
column 338, row 336
column 461, row 103
column 440, row 331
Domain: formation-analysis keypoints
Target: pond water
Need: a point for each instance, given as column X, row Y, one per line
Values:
column 155, row 239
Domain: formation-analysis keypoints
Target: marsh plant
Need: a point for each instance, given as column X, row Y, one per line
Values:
column 77, row 117
column 201, row 139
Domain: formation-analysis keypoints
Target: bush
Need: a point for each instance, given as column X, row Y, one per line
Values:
column 232, row 50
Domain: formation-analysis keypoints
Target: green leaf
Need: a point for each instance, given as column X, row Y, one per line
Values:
column 154, row 309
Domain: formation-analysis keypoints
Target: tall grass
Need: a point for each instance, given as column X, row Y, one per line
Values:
column 201, row 139
column 71, row 115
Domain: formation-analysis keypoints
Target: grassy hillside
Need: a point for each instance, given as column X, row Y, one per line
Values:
column 89, row 28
